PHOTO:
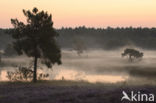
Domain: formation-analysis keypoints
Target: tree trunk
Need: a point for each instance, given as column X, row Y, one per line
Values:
column 35, row 70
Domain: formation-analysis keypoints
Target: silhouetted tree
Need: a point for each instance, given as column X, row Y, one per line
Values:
column 132, row 54
column 79, row 46
column 37, row 38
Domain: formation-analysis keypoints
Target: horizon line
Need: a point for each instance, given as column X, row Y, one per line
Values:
column 90, row 27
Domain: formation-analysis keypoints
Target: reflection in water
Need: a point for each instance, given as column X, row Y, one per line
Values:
column 3, row 75
column 105, row 78
column 77, row 76
column 93, row 78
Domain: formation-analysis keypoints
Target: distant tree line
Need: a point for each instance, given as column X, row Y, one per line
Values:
column 108, row 38
column 5, row 39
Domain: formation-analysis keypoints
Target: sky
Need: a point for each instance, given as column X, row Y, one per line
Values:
column 89, row 13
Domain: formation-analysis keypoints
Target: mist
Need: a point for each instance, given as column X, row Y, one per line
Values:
column 92, row 66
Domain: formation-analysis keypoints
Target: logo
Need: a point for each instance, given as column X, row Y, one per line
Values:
column 137, row 97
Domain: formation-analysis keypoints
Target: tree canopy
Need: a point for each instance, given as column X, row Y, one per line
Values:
column 132, row 54
column 79, row 45
column 37, row 38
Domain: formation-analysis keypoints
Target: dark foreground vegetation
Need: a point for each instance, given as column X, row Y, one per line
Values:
column 66, row 92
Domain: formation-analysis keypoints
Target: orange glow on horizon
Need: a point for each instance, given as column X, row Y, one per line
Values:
column 91, row 13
